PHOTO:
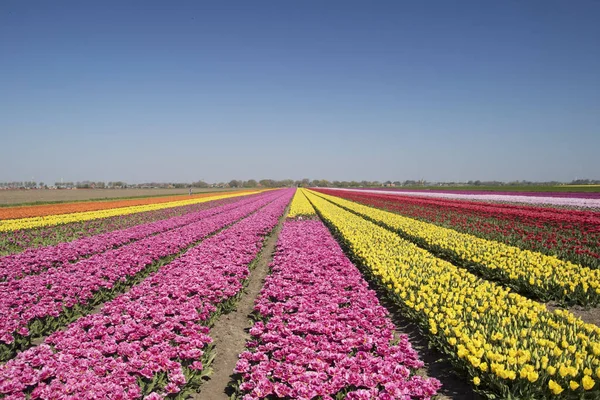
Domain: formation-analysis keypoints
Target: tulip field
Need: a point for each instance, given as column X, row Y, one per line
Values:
column 118, row 299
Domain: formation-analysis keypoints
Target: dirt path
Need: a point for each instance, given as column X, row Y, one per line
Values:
column 590, row 315
column 230, row 332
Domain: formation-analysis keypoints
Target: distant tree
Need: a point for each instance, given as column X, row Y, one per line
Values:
column 250, row 183
column 84, row 185
column 267, row 183
column 200, row 184
column 320, row 183
column 235, row 183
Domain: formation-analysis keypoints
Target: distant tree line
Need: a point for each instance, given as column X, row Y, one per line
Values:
column 271, row 183
column 585, row 182
column 19, row 185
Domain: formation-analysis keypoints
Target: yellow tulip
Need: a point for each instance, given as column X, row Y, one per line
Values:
column 555, row 387
column 587, row 382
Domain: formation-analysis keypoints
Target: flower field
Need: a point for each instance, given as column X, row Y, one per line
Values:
column 509, row 345
column 58, row 219
column 583, row 200
column 321, row 332
column 119, row 303
column 570, row 235
column 68, row 208
column 154, row 339
column 545, row 277
column 22, row 240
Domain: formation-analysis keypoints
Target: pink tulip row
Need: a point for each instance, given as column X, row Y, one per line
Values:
column 38, row 304
column 153, row 340
column 36, row 260
column 321, row 330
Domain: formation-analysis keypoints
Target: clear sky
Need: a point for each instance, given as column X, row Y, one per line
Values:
column 186, row 90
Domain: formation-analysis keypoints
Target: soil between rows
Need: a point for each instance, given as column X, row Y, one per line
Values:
column 590, row 315
column 230, row 331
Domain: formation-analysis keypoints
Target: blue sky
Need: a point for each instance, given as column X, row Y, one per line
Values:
column 179, row 91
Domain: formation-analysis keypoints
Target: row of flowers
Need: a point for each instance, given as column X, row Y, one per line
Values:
column 511, row 347
column 68, row 208
column 581, row 200
column 37, row 260
column 321, row 332
column 300, row 206
column 18, row 241
column 152, row 341
column 50, row 220
column 568, row 234
column 38, row 304
column 544, row 277
column 569, row 192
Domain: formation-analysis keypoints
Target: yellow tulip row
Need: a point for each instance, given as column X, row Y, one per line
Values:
column 37, row 222
column 544, row 277
column 510, row 346
column 300, row 205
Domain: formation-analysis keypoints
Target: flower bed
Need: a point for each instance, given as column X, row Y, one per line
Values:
column 301, row 207
column 13, row 242
column 322, row 332
column 37, row 260
column 543, row 277
column 51, row 220
column 152, row 341
column 510, row 346
column 567, row 234
column 39, row 304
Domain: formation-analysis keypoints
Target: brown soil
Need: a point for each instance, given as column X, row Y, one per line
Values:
column 230, row 331
column 33, row 196
column 589, row 315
